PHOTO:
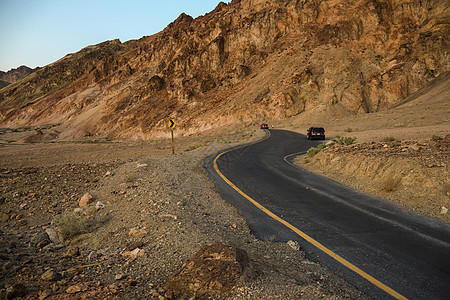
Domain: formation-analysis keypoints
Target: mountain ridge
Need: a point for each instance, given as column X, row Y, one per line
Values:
column 244, row 62
column 14, row 75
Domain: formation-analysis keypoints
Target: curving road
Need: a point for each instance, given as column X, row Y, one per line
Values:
column 383, row 250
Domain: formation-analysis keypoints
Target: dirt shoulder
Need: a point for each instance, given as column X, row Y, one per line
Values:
column 161, row 204
column 412, row 174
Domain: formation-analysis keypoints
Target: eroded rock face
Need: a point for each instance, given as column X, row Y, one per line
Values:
column 214, row 269
column 245, row 61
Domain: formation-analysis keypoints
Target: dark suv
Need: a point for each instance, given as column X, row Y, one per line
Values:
column 315, row 133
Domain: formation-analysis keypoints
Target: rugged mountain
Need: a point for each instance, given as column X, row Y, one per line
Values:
column 14, row 75
column 245, row 61
column 3, row 83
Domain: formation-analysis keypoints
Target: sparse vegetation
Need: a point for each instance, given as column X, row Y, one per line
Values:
column 389, row 139
column 436, row 138
column 390, row 184
column 337, row 140
column 344, row 140
column 70, row 225
column 348, row 129
column 128, row 178
column 314, row 150
column 191, row 148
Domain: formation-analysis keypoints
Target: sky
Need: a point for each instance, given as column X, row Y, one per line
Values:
column 38, row 32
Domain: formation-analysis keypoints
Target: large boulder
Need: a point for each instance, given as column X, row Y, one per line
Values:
column 213, row 270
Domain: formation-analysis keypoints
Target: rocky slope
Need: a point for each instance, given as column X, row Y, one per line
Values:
column 245, row 61
column 14, row 75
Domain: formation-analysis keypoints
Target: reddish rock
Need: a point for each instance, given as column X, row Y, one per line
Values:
column 214, row 269
column 73, row 289
column 86, row 199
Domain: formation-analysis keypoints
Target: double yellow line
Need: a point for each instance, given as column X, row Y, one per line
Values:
column 303, row 235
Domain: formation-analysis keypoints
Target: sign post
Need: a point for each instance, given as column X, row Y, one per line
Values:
column 172, row 126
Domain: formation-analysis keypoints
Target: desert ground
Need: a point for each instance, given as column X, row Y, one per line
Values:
column 164, row 205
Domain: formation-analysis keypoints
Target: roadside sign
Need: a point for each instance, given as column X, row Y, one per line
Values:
column 172, row 123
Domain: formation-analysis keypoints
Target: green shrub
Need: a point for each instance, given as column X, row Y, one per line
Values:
column 389, row 139
column 436, row 138
column 344, row 140
column 314, row 150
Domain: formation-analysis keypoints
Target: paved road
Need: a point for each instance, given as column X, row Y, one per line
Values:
column 406, row 255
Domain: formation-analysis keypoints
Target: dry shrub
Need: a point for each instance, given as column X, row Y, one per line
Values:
column 70, row 225
column 446, row 189
column 391, row 183
column 128, row 178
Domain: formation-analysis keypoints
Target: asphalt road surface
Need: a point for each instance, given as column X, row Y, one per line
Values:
column 378, row 247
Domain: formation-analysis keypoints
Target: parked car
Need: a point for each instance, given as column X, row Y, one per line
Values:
column 315, row 133
column 264, row 126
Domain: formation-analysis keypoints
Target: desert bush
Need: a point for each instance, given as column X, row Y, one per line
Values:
column 349, row 129
column 314, row 150
column 344, row 140
column 390, row 184
column 389, row 139
column 436, row 138
column 70, row 225
column 446, row 189
column 128, row 178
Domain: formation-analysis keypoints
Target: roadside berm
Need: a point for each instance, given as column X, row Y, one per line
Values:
column 412, row 174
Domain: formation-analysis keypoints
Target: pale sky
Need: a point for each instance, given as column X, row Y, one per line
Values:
column 39, row 32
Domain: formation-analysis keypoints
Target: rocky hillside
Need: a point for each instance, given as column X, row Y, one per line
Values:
column 13, row 75
column 245, row 61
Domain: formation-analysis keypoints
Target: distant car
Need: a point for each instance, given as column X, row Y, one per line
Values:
column 315, row 133
column 264, row 126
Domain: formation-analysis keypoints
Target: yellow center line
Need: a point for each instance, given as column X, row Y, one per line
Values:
column 303, row 235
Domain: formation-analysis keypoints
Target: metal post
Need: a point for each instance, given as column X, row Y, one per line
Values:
column 173, row 144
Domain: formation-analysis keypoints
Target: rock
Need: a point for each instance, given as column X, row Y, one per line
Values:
column 444, row 210
column 169, row 216
column 213, row 270
column 43, row 243
column 16, row 290
column 44, row 294
column 120, row 277
column 141, row 165
column 77, row 210
column 86, row 199
column 134, row 254
column 113, row 288
column 38, row 238
column 4, row 217
column 108, row 173
column 51, row 275
column 22, row 223
column 6, row 267
column 294, row 245
column 136, row 231
column 73, row 289
column 134, row 245
column 53, row 235
column 99, row 206
column 92, row 255
column 71, row 252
